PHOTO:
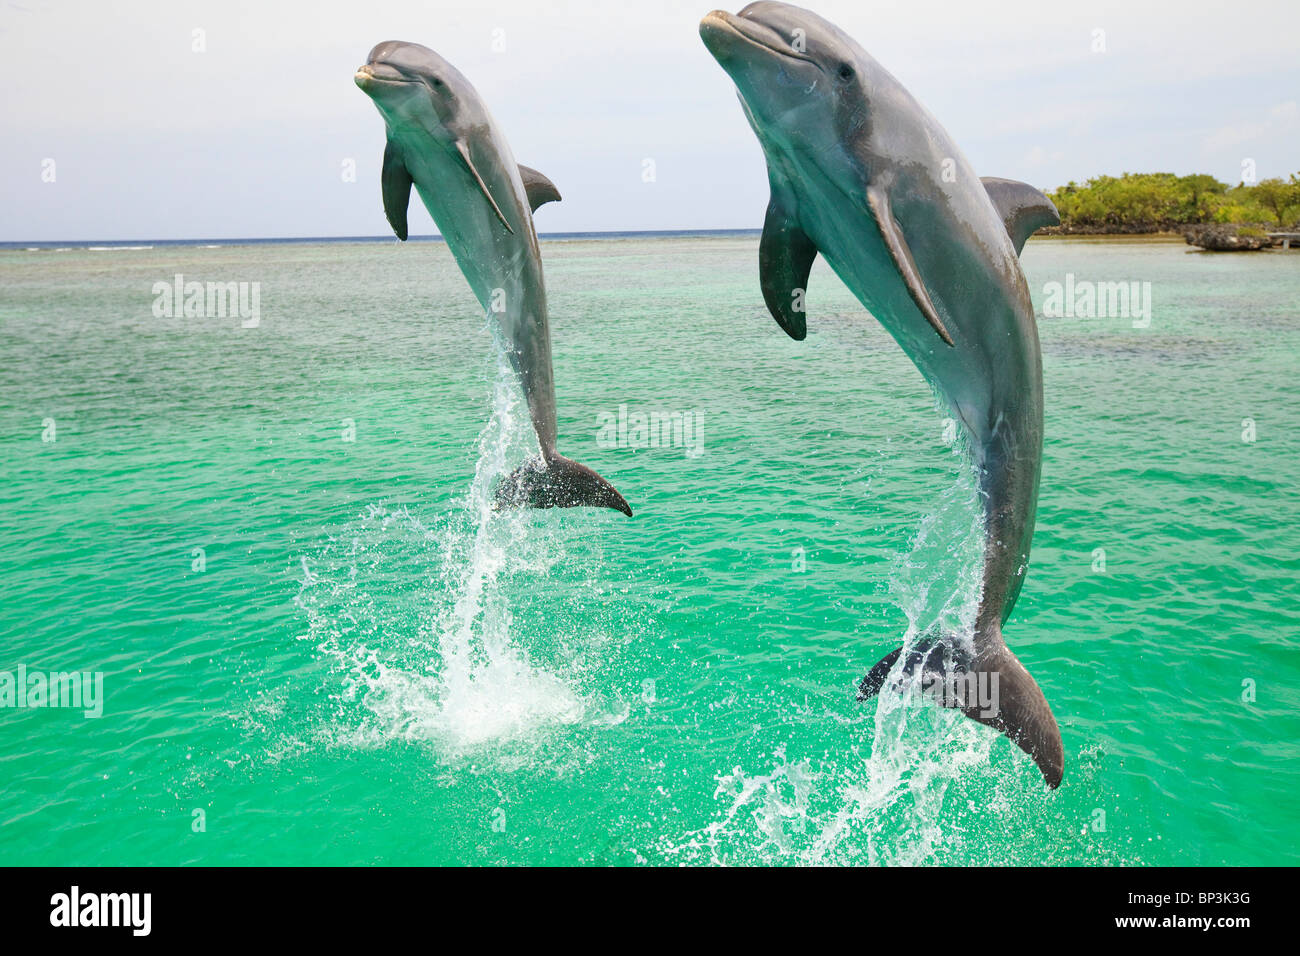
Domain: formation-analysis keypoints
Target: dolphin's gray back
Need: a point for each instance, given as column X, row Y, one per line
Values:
column 992, row 376
column 503, row 268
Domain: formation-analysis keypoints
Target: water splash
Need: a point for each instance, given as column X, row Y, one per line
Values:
column 894, row 805
column 775, row 807
column 487, row 688
column 440, row 661
column 926, row 770
column 908, row 799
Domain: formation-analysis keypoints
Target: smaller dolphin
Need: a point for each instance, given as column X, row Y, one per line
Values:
column 443, row 141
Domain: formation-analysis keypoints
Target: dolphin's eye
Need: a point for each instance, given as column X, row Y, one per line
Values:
column 846, row 72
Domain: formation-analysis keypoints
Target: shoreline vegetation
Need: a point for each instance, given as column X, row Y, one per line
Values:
column 1198, row 208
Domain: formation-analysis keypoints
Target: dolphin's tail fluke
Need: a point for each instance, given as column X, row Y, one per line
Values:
column 992, row 688
column 553, row 481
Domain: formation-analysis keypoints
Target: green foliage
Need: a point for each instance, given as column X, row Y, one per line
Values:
column 1152, row 201
column 1280, row 197
column 1234, row 212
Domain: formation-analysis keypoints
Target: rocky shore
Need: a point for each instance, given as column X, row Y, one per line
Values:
column 1213, row 237
column 1109, row 229
column 1229, row 238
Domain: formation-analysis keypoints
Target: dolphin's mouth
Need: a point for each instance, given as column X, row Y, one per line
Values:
column 721, row 23
column 380, row 74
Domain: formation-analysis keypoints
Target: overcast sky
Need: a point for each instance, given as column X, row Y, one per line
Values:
column 248, row 138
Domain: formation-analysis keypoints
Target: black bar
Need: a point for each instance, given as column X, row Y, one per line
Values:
column 1023, row 907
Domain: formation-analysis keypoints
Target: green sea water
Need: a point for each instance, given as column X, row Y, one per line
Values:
column 364, row 664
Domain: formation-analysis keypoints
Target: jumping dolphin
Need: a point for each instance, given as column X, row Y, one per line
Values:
column 443, row 140
column 861, row 173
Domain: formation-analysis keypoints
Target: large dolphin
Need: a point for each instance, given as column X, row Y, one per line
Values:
column 862, row 174
column 443, row 140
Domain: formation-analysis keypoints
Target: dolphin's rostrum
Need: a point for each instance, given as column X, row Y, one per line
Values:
column 443, row 141
column 863, row 175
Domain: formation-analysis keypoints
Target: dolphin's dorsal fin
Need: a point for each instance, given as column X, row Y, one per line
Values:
column 396, row 183
column 1024, row 209
column 896, row 243
column 785, row 257
column 538, row 187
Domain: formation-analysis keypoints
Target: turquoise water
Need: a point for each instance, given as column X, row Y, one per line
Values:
column 366, row 665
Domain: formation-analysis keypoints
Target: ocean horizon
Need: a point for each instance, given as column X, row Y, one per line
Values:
column 60, row 244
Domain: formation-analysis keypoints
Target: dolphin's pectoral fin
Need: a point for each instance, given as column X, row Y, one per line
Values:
column 1024, row 209
column 396, row 183
column 896, row 243
column 487, row 193
column 554, row 481
column 993, row 689
column 538, row 187
column 785, row 257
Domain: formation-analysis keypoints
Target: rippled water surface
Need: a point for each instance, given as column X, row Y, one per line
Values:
column 365, row 663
